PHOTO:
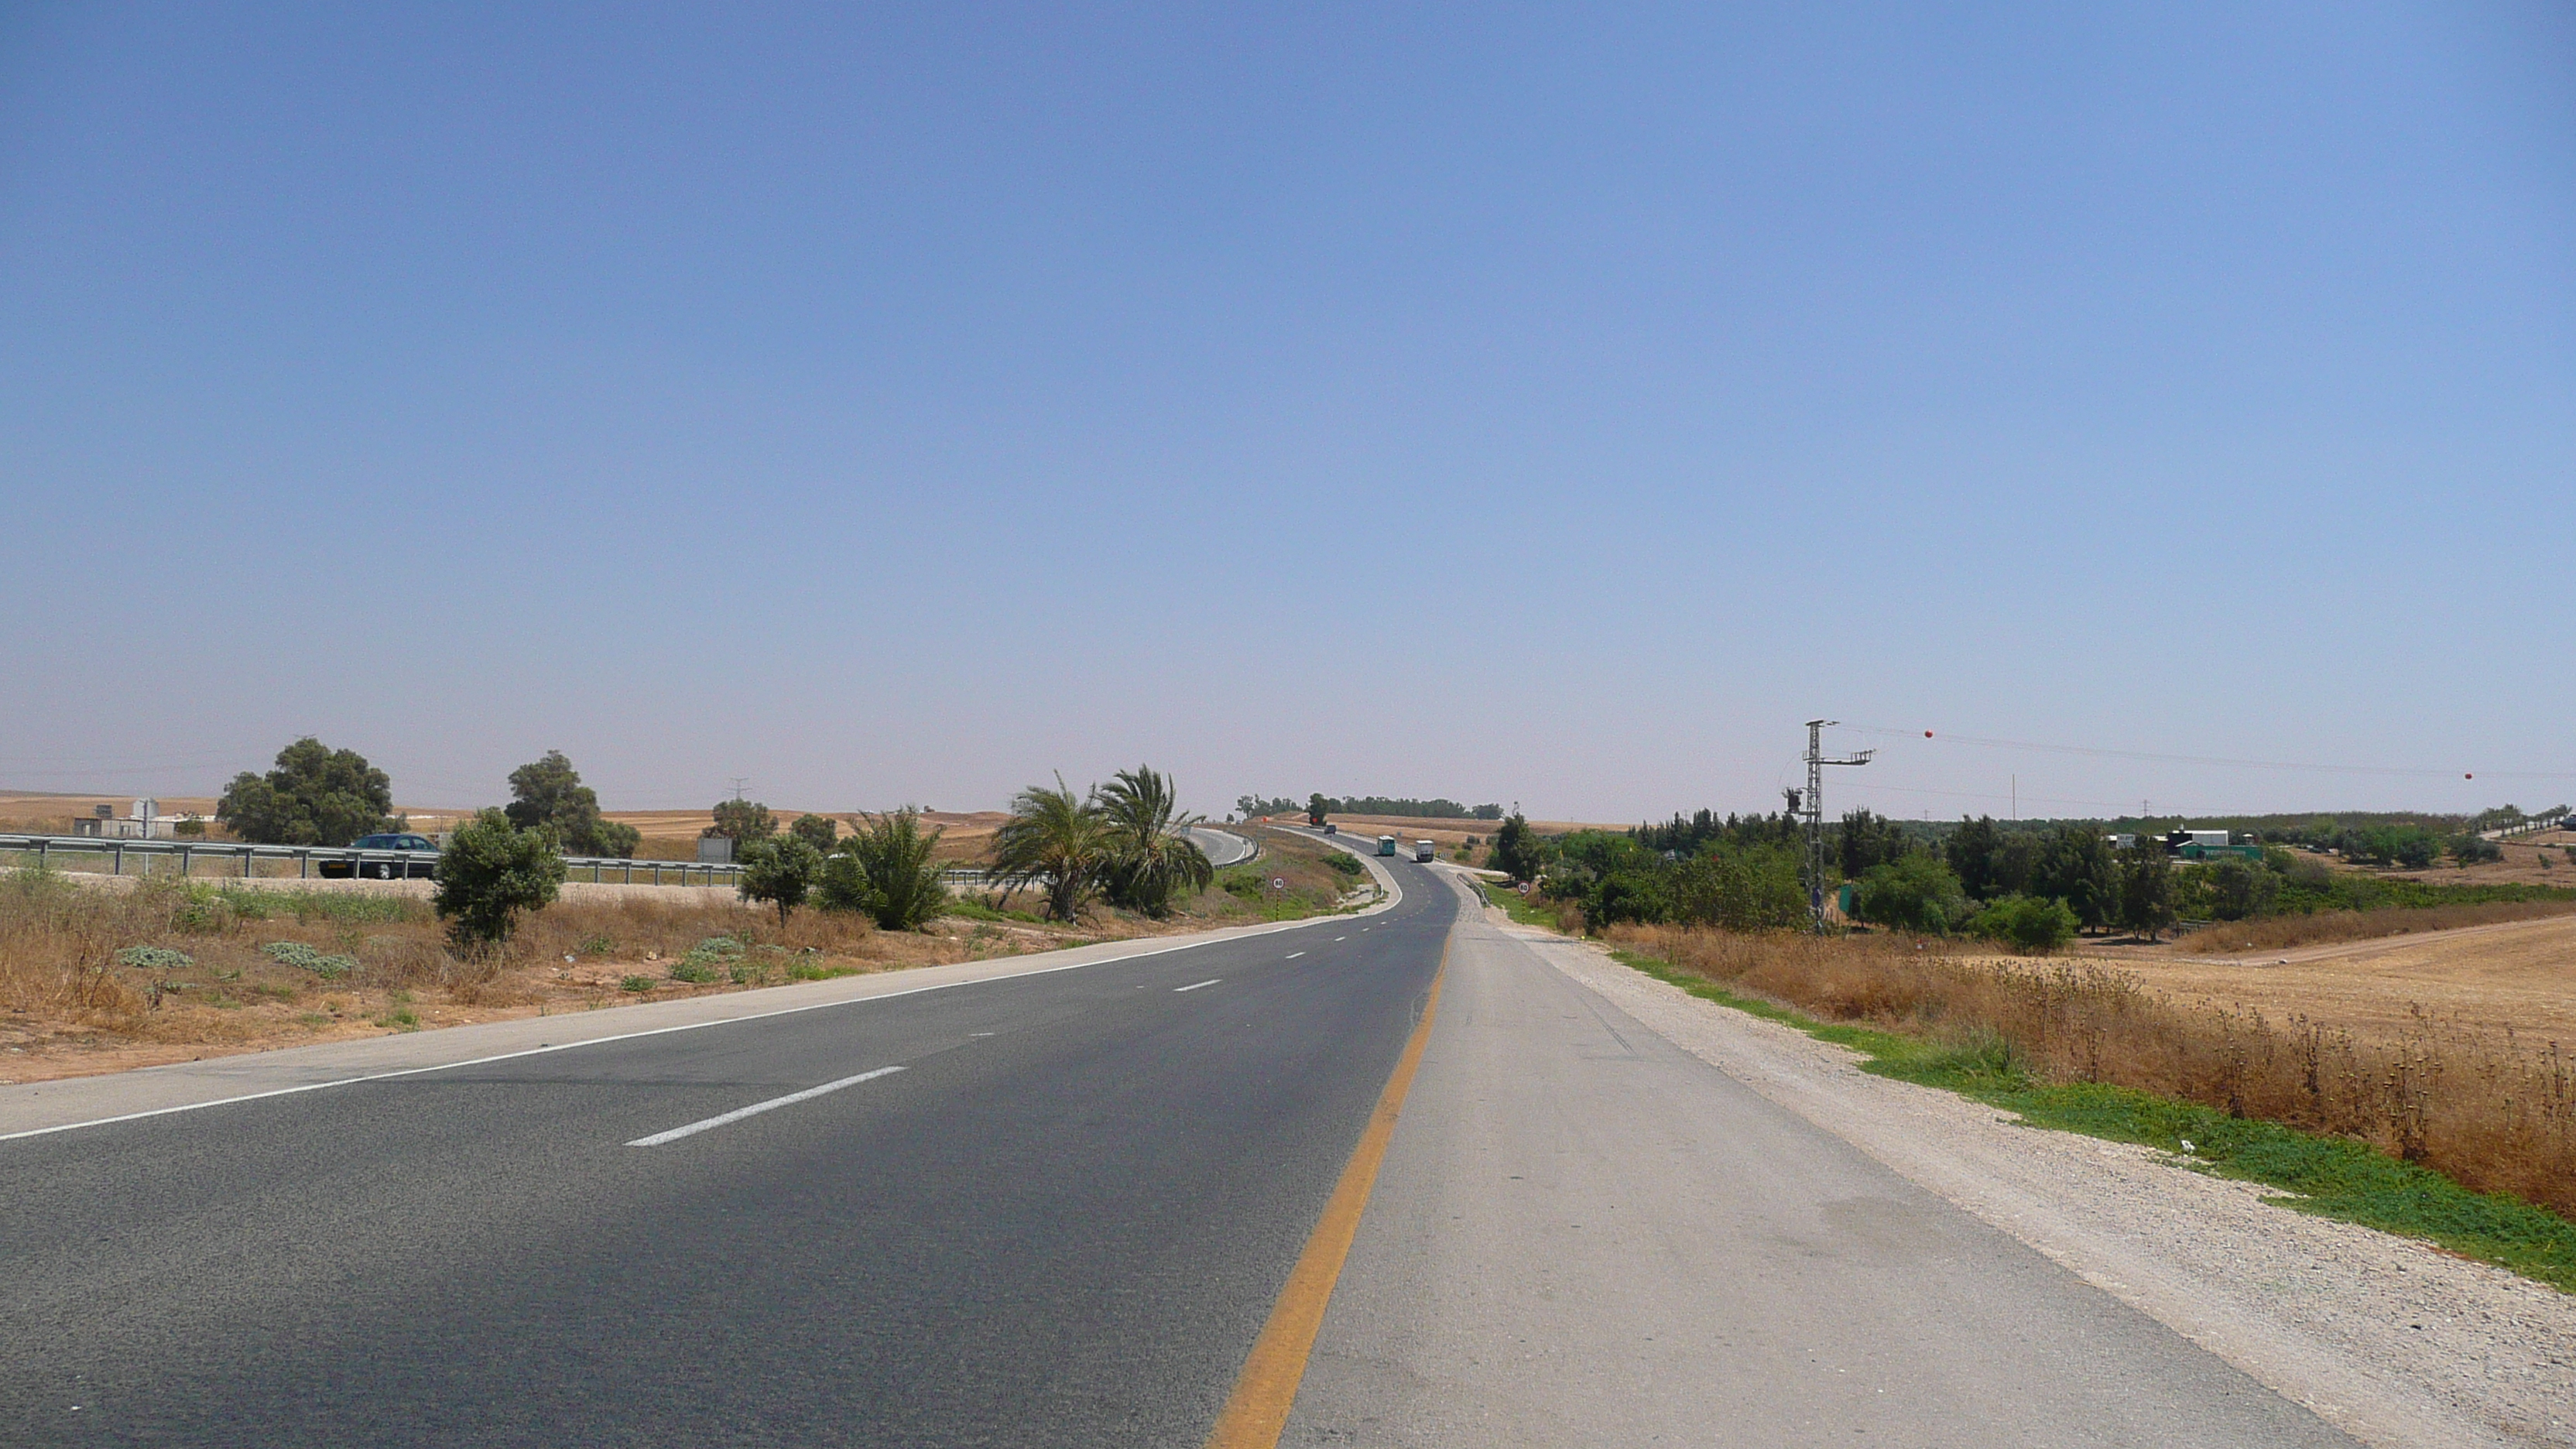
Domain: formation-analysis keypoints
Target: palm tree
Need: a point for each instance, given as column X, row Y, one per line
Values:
column 1150, row 858
column 1052, row 836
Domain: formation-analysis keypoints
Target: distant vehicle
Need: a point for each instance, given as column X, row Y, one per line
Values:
column 1386, row 845
column 1424, row 850
column 408, row 868
column 1331, row 829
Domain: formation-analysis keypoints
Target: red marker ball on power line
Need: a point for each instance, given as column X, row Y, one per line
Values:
column 1927, row 734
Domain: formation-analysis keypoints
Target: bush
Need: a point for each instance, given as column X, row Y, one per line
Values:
column 490, row 872
column 1347, row 864
column 548, row 792
column 819, row 831
column 779, row 869
column 886, row 870
column 1914, row 892
column 297, row 953
column 2470, row 849
column 1742, row 888
column 2025, row 923
column 155, row 958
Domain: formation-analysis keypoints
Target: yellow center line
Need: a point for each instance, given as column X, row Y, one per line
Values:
column 1257, row 1411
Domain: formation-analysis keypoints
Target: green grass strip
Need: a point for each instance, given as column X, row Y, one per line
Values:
column 2328, row 1176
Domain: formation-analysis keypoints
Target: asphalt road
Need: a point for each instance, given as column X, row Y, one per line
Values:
column 1223, row 847
column 1063, row 1221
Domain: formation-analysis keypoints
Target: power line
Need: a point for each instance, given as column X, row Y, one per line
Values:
column 2418, row 772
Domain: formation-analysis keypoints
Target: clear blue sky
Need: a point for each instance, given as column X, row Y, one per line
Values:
column 1557, row 404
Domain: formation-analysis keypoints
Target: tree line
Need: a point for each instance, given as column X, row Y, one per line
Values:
column 1319, row 805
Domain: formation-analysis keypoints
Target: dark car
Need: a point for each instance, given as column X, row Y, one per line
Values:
column 377, row 866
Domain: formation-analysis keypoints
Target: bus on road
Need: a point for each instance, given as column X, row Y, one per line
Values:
column 1386, row 845
column 1423, row 850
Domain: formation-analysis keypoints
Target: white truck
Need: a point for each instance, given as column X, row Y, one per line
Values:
column 1423, row 851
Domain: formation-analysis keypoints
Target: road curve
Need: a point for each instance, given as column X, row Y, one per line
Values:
column 1223, row 847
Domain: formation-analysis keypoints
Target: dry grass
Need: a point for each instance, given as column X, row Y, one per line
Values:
column 2489, row 1109
column 2273, row 933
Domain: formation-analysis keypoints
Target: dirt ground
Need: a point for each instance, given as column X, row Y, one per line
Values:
column 70, row 1005
column 2519, row 976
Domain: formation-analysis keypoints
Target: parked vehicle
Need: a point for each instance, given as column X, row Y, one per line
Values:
column 1386, row 845
column 1424, row 850
column 418, row 860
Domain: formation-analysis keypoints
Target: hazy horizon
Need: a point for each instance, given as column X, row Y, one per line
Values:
column 1557, row 405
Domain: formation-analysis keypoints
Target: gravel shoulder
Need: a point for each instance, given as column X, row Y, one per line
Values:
column 2394, row 1341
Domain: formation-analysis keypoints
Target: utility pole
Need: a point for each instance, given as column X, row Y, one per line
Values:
column 1815, row 805
column 738, row 782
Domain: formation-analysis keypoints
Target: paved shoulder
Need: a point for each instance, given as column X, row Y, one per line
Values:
column 1584, row 1235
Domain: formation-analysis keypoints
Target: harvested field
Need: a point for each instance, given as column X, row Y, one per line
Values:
column 2509, row 975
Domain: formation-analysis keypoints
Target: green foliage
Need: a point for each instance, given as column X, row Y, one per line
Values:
column 779, row 869
column 2025, row 923
column 819, row 831
column 1518, row 852
column 2147, row 889
column 695, row 973
column 2470, row 849
column 1915, row 892
column 189, row 827
column 1054, row 838
column 316, row 796
column 1867, row 840
column 1436, row 809
column 1147, row 859
column 548, row 793
column 817, row 971
column 2226, row 890
column 490, row 872
column 637, row 984
column 888, row 870
column 1346, row 864
column 1742, row 887
column 155, row 958
column 742, row 821
column 297, row 953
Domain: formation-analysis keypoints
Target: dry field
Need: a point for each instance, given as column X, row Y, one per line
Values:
column 2503, row 975
column 69, row 1006
column 2492, row 1108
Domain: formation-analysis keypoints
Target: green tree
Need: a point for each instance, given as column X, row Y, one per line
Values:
column 742, row 821
column 490, row 872
column 780, row 870
column 819, row 831
column 2025, row 923
column 1056, row 838
column 316, row 796
column 2146, row 888
column 2076, row 865
column 1148, row 859
column 1972, row 849
column 1317, row 807
column 1868, row 839
column 1518, row 852
column 1912, row 893
column 1742, row 887
column 889, row 870
column 547, row 792
column 2470, row 848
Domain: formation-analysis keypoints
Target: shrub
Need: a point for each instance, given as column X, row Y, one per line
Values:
column 297, row 953
column 637, row 984
column 490, row 872
column 1346, row 864
column 155, row 958
column 693, row 971
column 2026, row 923
column 886, row 870
column 1914, row 892
column 2470, row 849
column 779, row 869
column 819, row 831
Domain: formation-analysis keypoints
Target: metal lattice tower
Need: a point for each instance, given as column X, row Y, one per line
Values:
column 1813, row 802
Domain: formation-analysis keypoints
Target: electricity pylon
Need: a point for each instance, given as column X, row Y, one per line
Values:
column 1815, row 806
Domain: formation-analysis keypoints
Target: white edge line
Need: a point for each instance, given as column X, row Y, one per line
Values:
column 1211, row 981
column 1293, row 955
column 756, row 1108
column 1265, row 930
